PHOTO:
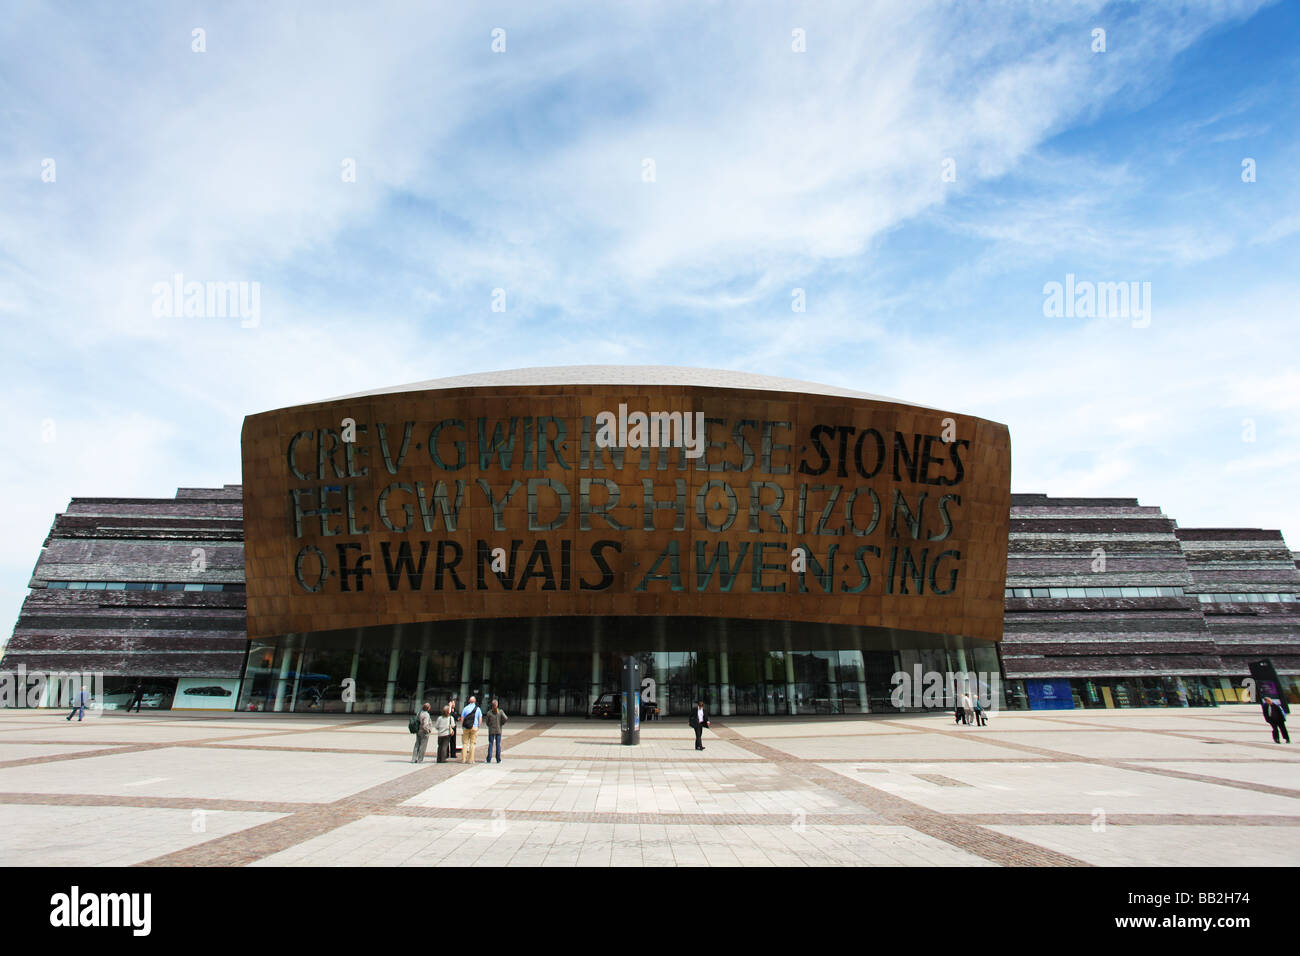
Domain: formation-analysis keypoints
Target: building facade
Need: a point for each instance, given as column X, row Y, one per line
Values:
column 142, row 591
column 775, row 544
column 480, row 535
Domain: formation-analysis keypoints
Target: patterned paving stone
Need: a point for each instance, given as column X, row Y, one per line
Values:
column 1091, row 788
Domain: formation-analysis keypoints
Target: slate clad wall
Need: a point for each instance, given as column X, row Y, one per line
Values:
column 1246, row 561
column 1060, row 542
column 1054, row 542
column 144, row 633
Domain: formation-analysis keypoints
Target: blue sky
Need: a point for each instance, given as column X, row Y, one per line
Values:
column 774, row 170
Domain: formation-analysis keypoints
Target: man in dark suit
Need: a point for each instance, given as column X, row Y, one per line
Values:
column 699, row 720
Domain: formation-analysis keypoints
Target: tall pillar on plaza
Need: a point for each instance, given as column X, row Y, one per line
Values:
column 394, row 658
column 282, row 685
column 724, row 707
column 544, row 691
column 791, row 708
column 833, row 671
column 661, row 654
column 596, row 628
column 465, row 662
column 864, row 699
column 356, row 662
column 423, row 676
column 297, row 674
column 530, row 704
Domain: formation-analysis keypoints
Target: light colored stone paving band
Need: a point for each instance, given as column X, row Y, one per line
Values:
column 246, row 846
column 1132, row 765
column 989, row 844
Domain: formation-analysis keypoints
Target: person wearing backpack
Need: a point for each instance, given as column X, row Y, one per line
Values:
column 443, row 728
column 469, row 721
column 423, row 726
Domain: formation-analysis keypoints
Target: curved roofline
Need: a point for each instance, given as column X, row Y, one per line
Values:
column 628, row 375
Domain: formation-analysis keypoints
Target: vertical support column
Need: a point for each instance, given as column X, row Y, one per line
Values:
column 464, row 664
column 530, row 705
column 394, row 658
column 297, row 675
column 423, row 675
column 769, row 678
column 713, row 681
column 282, row 685
column 864, row 699
column 663, row 690
column 356, row 660
column 963, row 683
column 596, row 628
column 545, row 691
column 791, row 708
column 723, row 667
column 832, row 668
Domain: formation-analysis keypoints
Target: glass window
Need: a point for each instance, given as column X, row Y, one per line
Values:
column 57, row 585
column 76, row 585
column 1022, row 592
column 1058, row 592
column 1077, row 592
column 136, row 586
column 95, row 585
column 212, row 587
column 174, row 587
column 1041, row 592
column 1149, row 592
column 194, row 587
column 115, row 586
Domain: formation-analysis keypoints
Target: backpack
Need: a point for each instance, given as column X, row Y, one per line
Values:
column 468, row 720
column 414, row 725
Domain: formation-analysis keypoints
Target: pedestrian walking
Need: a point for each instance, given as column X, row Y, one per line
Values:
column 980, row 718
column 968, row 712
column 137, row 698
column 959, row 715
column 699, row 719
column 443, row 727
column 495, row 718
column 1276, row 717
column 455, row 716
column 470, row 718
column 423, row 728
column 79, row 703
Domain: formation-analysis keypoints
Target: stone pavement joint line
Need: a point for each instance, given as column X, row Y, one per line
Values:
column 246, row 846
column 995, row 847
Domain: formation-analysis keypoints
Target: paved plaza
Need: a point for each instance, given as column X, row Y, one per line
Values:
column 1063, row 788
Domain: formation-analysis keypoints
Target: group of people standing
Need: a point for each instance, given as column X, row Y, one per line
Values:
column 969, row 711
column 470, row 720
